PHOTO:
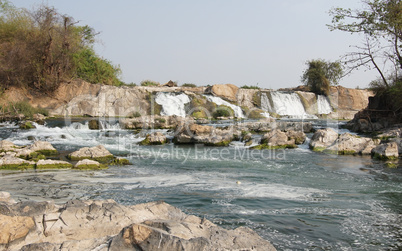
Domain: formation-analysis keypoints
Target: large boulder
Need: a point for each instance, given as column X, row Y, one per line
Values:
column 203, row 134
column 98, row 153
column 14, row 228
column 323, row 138
column 107, row 225
column 87, row 164
column 155, row 138
column 386, row 151
column 52, row 164
column 43, row 147
column 14, row 163
column 226, row 91
column 6, row 146
column 351, row 144
column 155, row 122
column 276, row 139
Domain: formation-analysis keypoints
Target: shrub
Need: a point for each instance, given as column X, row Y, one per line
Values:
column 223, row 111
column 22, row 107
column 250, row 87
column 188, row 85
column 149, row 83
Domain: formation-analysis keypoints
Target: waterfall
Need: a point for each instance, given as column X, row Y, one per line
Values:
column 287, row 104
column 172, row 104
column 265, row 103
column 217, row 100
column 323, row 106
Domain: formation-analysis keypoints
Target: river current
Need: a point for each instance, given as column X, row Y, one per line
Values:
column 295, row 198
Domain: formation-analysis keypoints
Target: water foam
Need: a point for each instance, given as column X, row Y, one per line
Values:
column 172, row 104
column 217, row 100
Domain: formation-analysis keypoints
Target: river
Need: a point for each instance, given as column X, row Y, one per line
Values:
column 295, row 198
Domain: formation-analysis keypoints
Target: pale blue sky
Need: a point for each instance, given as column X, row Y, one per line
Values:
column 214, row 41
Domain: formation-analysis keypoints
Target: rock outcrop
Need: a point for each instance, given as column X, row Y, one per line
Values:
column 203, row 134
column 225, row 91
column 98, row 153
column 386, row 151
column 155, row 138
column 329, row 141
column 107, row 225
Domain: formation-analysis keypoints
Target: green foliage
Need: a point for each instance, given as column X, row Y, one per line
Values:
column 188, row 85
column 223, row 111
column 41, row 48
column 255, row 87
column 149, row 83
column 380, row 21
column 22, row 107
column 321, row 74
column 93, row 69
column 135, row 115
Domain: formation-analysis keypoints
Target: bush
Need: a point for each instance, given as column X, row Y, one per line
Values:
column 188, row 85
column 250, row 87
column 135, row 115
column 149, row 83
column 22, row 107
column 223, row 111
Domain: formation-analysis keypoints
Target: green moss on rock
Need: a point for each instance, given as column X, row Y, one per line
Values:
column 17, row 166
column 268, row 147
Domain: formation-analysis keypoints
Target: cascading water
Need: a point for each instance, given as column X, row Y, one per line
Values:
column 288, row 104
column 265, row 103
column 172, row 104
column 323, row 106
column 217, row 100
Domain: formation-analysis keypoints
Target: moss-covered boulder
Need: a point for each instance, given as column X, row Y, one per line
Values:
column 52, row 164
column 43, row 147
column 120, row 162
column 387, row 151
column 87, row 164
column 273, row 147
column 14, row 163
column 6, row 146
column 94, row 124
column 98, row 153
column 26, row 125
column 155, row 138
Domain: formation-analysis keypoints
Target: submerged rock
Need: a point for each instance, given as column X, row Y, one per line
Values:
column 94, row 124
column 27, row 125
column 107, row 225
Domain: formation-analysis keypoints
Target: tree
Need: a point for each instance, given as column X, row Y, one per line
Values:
column 380, row 21
column 321, row 74
column 41, row 48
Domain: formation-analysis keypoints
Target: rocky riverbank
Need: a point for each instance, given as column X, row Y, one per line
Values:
column 79, row 98
column 107, row 225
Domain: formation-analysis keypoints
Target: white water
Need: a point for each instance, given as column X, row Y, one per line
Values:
column 172, row 104
column 265, row 104
column 217, row 100
column 290, row 104
column 323, row 106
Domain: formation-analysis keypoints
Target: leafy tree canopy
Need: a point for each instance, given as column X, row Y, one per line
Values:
column 321, row 74
column 41, row 48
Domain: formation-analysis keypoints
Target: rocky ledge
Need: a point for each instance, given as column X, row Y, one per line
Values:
column 107, row 225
